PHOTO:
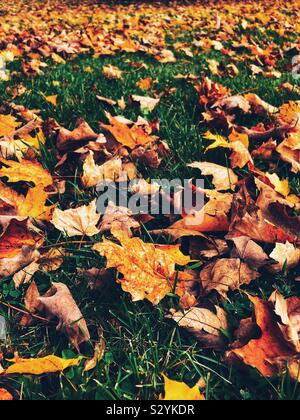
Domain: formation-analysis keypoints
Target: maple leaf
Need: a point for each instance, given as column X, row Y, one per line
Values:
column 59, row 304
column 223, row 178
column 118, row 218
column 27, row 171
column 68, row 140
column 286, row 256
column 112, row 72
column 179, row 391
column 205, row 325
column 263, row 353
column 289, row 151
column 5, row 395
column 218, row 141
column 8, row 125
column 94, row 174
column 128, row 137
column 41, row 366
column 225, row 274
column 146, row 103
column 145, row 84
column 33, row 205
column 148, row 272
column 212, row 218
column 81, row 221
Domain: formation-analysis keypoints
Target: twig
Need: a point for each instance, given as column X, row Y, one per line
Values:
column 24, row 312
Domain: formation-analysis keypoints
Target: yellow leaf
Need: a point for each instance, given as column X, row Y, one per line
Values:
column 94, row 174
column 48, row 364
column 149, row 272
column 218, row 141
column 179, row 391
column 8, row 125
column 27, row 171
column 51, row 99
column 281, row 186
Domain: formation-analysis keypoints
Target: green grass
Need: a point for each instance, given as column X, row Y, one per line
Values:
column 140, row 342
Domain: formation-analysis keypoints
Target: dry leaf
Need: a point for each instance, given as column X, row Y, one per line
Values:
column 148, row 273
column 27, row 171
column 77, row 222
column 48, row 364
column 59, row 303
column 112, row 72
column 263, row 353
column 205, row 325
column 94, row 174
column 118, row 218
column 223, row 178
column 286, row 255
column 225, row 274
column 179, row 391
column 146, row 103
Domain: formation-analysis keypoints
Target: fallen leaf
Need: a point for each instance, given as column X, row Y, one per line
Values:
column 225, row 274
column 60, row 304
column 48, row 364
column 77, row 222
column 68, row 140
column 5, row 395
column 112, row 72
column 207, row 326
column 263, row 353
column 94, row 174
column 179, row 391
column 148, row 273
column 118, row 218
column 27, row 171
column 286, row 256
column 146, row 103
column 223, row 178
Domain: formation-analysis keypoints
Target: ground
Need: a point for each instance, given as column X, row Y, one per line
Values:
column 141, row 342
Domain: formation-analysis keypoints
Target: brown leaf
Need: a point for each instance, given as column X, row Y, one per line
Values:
column 225, row 274
column 60, row 304
column 250, row 252
column 118, row 218
column 204, row 324
column 263, row 353
column 68, row 140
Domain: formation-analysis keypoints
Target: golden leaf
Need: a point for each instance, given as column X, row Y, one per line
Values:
column 179, row 391
column 149, row 272
column 48, row 364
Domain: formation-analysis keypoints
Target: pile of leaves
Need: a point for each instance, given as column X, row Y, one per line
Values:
column 193, row 264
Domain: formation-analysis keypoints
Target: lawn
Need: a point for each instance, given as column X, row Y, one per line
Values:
column 141, row 343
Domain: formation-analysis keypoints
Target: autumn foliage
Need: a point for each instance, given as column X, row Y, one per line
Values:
column 193, row 265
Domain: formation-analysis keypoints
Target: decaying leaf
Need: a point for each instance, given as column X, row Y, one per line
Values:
column 212, row 218
column 286, row 256
column 223, row 178
column 94, row 174
column 59, row 304
column 118, row 218
column 207, row 326
column 77, row 222
column 265, row 352
column 27, row 171
column 225, row 274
